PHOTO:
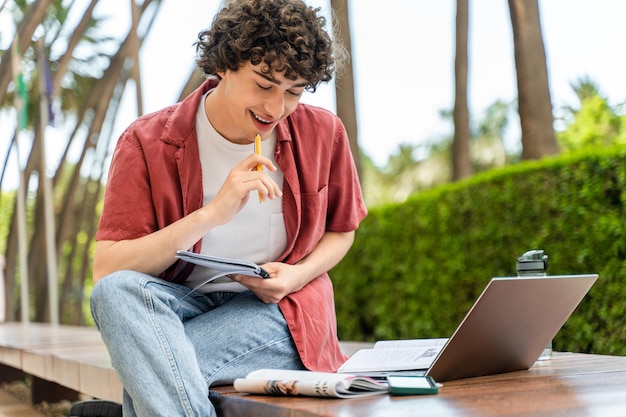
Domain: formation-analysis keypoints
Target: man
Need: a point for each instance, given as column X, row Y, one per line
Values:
column 186, row 178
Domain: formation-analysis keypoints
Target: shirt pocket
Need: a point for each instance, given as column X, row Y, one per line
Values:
column 313, row 225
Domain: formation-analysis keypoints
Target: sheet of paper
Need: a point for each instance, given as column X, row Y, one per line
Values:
column 395, row 359
column 394, row 344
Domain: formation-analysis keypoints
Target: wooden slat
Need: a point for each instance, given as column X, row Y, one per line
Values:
column 570, row 385
column 44, row 361
column 100, row 382
column 71, row 356
column 11, row 357
column 66, row 364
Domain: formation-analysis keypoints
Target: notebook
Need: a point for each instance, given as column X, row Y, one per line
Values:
column 508, row 326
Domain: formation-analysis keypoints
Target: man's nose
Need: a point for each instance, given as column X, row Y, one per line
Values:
column 275, row 104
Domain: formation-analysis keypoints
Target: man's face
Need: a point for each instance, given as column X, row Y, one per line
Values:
column 251, row 102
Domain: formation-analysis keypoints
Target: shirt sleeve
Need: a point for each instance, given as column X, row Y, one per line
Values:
column 127, row 212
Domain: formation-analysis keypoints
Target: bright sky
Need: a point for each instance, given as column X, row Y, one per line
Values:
column 403, row 58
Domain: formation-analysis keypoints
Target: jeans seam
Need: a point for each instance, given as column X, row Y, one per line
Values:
column 180, row 387
column 258, row 348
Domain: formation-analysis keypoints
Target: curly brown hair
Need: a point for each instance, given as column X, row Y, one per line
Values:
column 287, row 35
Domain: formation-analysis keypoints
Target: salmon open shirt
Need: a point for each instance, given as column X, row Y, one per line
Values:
column 155, row 179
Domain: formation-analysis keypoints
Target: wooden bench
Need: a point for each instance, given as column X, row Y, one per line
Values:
column 66, row 360
column 61, row 361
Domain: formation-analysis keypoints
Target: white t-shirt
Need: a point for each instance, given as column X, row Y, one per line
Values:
column 256, row 233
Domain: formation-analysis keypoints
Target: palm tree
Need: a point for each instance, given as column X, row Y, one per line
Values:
column 534, row 103
column 594, row 123
column 461, row 165
column 344, row 83
column 91, row 101
column 35, row 15
column 584, row 88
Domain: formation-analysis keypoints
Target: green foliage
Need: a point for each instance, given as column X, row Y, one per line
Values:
column 416, row 267
column 596, row 125
column 6, row 211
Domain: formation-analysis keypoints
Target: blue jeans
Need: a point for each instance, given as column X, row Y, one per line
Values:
column 169, row 346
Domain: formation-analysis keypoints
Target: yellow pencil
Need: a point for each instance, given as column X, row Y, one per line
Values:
column 257, row 150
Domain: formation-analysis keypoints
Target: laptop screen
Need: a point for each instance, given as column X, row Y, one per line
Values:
column 509, row 325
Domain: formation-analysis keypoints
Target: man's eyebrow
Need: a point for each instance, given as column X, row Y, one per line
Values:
column 275, row 81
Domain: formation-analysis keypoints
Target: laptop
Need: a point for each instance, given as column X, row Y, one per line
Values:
column 509, row 325
column 507, row 328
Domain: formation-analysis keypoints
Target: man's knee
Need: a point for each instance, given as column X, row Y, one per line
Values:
column 110, row 284
column 109, row 290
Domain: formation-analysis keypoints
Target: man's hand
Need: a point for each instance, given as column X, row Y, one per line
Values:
column 241, row 180
column 284, row 279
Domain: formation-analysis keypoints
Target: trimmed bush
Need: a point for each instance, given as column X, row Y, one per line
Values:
column 417, row 267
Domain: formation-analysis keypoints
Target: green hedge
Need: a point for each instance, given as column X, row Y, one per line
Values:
column 416, row 267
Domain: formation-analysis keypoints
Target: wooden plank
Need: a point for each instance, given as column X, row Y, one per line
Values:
column 17, row 338
column 575, row 385
column 68, row 356
column 11, row 356
column 100, row 381
column 36, row 364
column 61, row 363
column 67, row 364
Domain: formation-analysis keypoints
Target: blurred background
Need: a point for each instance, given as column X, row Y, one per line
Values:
column 430, row 97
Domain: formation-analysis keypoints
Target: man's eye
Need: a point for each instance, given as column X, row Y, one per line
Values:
column 295, row 93
column 264, row 88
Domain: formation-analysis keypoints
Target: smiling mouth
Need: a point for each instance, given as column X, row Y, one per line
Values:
column 260, row 119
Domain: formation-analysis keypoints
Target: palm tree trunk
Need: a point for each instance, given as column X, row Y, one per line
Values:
column 461, row 164
column 534, row 103
column 195, row 80
column 135, row 42
column 344, row 83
